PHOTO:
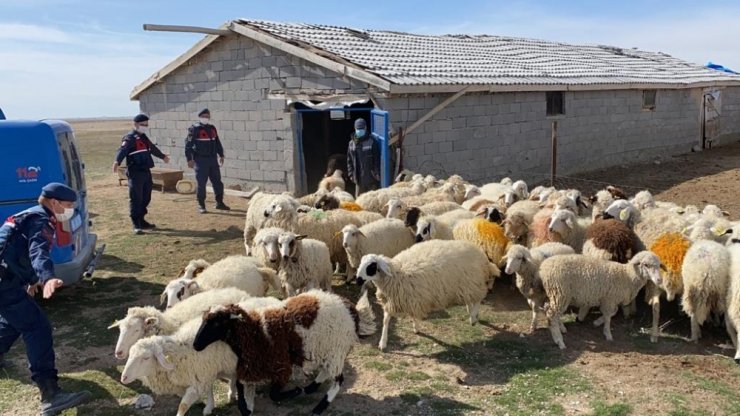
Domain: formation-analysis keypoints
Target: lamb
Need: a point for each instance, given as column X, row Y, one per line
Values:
column 586, row 282
column 328, row 183
column 671, row 249
column 610, row 240
column 426, row 277
column 255, row 217
column 387, row 237
column 305, row 264
column 194, row 268
column 312, row 332
column 518, row 219
column 167, row 364
column 428, row 227
column 485, row 235
column 705, row 271
column 732, row 300
column 266, row 248
column 240, row 272
column 319, row 225
column 141, row 322
column 525, row 263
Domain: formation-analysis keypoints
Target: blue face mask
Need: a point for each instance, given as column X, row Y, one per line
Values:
column 360, row 133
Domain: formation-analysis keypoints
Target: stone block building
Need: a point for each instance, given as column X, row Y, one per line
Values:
column 284, row 97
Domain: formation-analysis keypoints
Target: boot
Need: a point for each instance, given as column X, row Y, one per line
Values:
column 223, row 207
column 145, row 225
column 138, row 230
column 54, row 400
column 202, row 208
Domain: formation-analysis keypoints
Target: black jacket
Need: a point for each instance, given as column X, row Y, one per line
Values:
column 363, row 160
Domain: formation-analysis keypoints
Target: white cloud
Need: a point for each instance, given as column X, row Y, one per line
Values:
column 32, row 33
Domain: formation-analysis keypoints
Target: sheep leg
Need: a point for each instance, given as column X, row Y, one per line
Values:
column 654, row 331
column 607, row 313
column 190, row 397
column 232, row 389
column 351, row 271
column 245, row 404
column 209, row 402
column 277, row 394
column 384, row 334
column 561, row 325
column 533, row 324
column 557, row 336
column 316, row 383
column 731, row 331
column 695, row 329
column 582, row 313
column 415, row 325
column 473, row 309
column 599, row 321
column 330, row 395
column 629, row 310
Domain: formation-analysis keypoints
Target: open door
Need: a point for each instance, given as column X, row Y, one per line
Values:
column 711, row 118
column 379, row 127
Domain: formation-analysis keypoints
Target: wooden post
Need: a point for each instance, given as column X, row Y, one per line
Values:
column 399, row 158
column 554, row 161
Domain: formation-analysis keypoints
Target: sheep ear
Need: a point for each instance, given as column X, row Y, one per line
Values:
column 337, row 234
column 361, row 233
column 163, row 297
column 384, row 267
column 726, row 213
column 569, row 222
column 624, row 214
column 115, row 324
column 193, row 286
column 300, row 237
column 198, row 271
column 662, row 267
column 481, row 212
column 151, row 321
column 278, row 208
column 162, row 360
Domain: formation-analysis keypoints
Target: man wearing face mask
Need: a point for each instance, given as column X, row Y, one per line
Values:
column 137, row 149
column 25, row 266
column 201, row 148
column 363, row 159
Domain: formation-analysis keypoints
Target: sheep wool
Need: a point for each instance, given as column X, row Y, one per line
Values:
column 426, row 277
column 350, row 206
column 388, row 237
column 306, row 264
column 487, row 236
column 732, row 316
column 671, row 249
column 705, row 271
column 610, row 240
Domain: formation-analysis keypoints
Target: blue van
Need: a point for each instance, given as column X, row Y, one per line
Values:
column 35, row 153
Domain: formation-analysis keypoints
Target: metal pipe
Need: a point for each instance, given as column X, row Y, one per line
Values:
column 90, row 269
column 554, row 160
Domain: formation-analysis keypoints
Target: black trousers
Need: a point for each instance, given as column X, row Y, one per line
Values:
column 139, row 193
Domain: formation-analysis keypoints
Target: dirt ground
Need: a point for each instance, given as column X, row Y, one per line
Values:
column 450, row 368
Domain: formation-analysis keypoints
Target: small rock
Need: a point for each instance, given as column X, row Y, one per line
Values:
column 144, row 401
column 420, row 403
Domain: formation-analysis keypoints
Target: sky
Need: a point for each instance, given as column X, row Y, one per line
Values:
column 82, row 58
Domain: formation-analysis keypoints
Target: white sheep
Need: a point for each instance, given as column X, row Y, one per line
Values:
column 398, row 209
column 141, row 322
column 519, row 217
column 255, row 216
column 265, row 247
column 526, row 263
column 585, row 282
column 375, row 200
column 429, row 227
column 487, row 236
column 240, row 272
column 705, row 271
column 305, row 265
column 387, row 237
column 329, row 183
column 426, row 277
column 568, row 228
column 732, row 301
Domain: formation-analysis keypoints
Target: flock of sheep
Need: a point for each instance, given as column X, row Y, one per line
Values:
column 421, row 245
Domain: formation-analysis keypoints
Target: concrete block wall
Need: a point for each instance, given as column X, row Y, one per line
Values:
column 487, row 136
column 232, row 77
column 730, row 116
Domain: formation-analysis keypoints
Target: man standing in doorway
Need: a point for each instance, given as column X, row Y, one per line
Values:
column 201, row 149
column 137, row 149
column 363, row 159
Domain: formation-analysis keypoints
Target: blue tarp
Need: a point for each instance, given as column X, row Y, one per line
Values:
column 719, row 67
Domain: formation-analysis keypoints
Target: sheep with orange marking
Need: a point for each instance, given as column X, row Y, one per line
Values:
column 671, row 249
column 487, row 236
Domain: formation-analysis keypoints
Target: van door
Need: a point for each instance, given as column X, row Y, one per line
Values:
column 71, row 235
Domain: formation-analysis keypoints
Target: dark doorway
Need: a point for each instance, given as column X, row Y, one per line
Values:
column 326, row 133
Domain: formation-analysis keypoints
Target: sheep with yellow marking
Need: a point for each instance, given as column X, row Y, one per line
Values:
column 487, row 236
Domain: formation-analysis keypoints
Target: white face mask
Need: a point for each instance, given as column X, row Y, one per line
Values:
column 204, row 120
column 142, row 129
column 66, row 215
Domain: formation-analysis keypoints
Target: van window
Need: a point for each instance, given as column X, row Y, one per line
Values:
column 71, row 171
column 76, row 164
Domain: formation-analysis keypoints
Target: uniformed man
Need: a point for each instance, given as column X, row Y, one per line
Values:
column 137, row 149
column 201, row 149
column 363, row 159
column 25, row 266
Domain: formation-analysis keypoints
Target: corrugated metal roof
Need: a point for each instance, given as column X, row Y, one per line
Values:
column 416, row 60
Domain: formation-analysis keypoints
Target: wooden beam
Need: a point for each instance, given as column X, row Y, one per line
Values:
column 356, row 73
column 441, row 106
column 187, row 29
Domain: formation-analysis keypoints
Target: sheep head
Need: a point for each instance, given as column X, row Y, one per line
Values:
column 372, row 266
column 471, row 191
column 281, row 205
column 515, row 256
column 216, row 323
column 648, row 266
column 562, row 222
column 267, row 240
column 327, row 202
column 520, row 188
column 395, row 208
column 141, row 362
column 290, row 244
column 178, row 290
column 424, row 229
column 350, row 237
column 138, row 323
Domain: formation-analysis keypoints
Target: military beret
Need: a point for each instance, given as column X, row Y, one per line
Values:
column 59, row 191
column 360, row 123
column 204, row 112
column 140, row 118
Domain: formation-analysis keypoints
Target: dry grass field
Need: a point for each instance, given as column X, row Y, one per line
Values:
column 450, row 368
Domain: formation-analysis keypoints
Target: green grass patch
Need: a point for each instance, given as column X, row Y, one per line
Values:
column 614, row 409
column 533, row 392
column 378, row 366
